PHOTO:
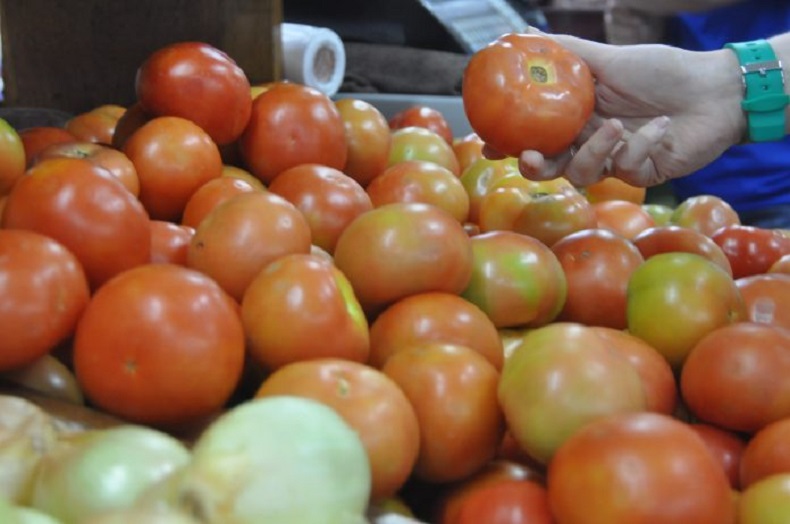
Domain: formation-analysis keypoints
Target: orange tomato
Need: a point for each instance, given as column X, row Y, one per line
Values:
column 170, row 242
column 210, row 195
column 96, row 125
column 423, row 116
column 367, row 138
column 612, row 188
column 35, row 139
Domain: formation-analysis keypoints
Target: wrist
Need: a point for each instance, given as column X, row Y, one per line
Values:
column 781, row 45
column 727, row 84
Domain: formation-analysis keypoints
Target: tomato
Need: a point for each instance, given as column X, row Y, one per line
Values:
column 242, row 174
column 402, row 249
column 467, row 149
column 86, row 209
column 423, row 116
column 328, row 198
column 210, row 195
column 453, row 391
column 516, row 279
column 612, row 188
column 504, row 502
column 782, row 265
column 96, row 125
column 561, row 377
column 598, row 264
column 704, row 213
column 240, row 236
column 623, row 217
column 437, row 317
column 526, row 91
column 35, row 139
column 735, row 377
column 419, row 143
column 478, row 178
column 767, row 298
column 661, row 213
column 44, row 292
column 671, row 238
column 196, row 81
column 142, row 330
column 170, row 242
column 420, row 181
column 367, row 138
column 765, row 501
column 173, row 158
column 111, row 159
column 370, row 402
column 766, row 453
column 751, row 250
column 292, row 124
column 12, row 157
column 726, row 446
column 592, row 477
column 690, row 295
column 132, row 119
column 296, row 301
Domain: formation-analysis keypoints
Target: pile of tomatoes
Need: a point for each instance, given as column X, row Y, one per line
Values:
column 507, row 351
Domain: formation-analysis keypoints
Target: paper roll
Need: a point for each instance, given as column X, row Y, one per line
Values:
column 313, row 56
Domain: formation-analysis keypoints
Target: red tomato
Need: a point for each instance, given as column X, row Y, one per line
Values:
column 623, row 217
column 96, row 125
column 468, row 149
column 704, row 213
column 525, row 91
column 751, row 250
column 736, row 376
column 612, row 188
column 292, row 124
column 420, row 181
column 239, row 237
column 86, row 209
column 598, row 264
column 139, row 334
column 132, row 119
column 210, row 195
column 196, row 81
column 503, row 502
column 328, row 198
column 423, row 116
column 726, row 446
column 35, row 139
column 436, row 317
column 403, row 249
column 419, row 143
column 766, row 453
column 370, row 402
column 453, row 391
column 44, row 292
column 671, row 238
column 561, row 377
column 592, row 477
column 516, row 279
column 12, row 157
column 368, row 139
column 170, row 242
column 767, row 298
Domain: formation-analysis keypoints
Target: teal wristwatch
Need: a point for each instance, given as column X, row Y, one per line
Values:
column 764, row 98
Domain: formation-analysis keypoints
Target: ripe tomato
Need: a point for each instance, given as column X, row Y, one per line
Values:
column 292, row 124
column 170, row 242
column 526, row 91
column 735, row 377
column 241, row 173
column 516, row 279
column 598, row 264
column 468, row 149
column 96, row 125
column 402, row 249
column 478, row 178
column 419, row 143
column 547, row 385
column 767, row 298
column 437, row 317
column 234, row 242
column 671, row 238
column 766, row 453
column 328, row 198
column 370, row 402
column 690, row 295
column 86, row 209
column 196, row 81
column 453, row 391
column 173, row 157
column 367, row 138
column 751, row 250
column 592, row 476
column 612, row 188
column 44, row 292
column 132, row 119
column 503, row 502
column 12, row 157
column 623, row 217
column 704, row 213
column 35, row 139
column 420, row 181
column 423, row 116
column 161, row 345
column 210, row 195
column 726, row 446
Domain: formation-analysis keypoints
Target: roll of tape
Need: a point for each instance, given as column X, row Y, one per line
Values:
column 313, row 56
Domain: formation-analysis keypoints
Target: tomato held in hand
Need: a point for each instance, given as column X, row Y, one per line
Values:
column 526, row 91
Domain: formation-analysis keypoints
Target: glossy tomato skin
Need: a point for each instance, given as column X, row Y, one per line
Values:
column 623, row 217
column 35, row 139
column 767, row 298
column 423, row 116
column 86, row 209
column 751, row 250
column 479, row 177
column 96, row 125
column 612, row 188
column 420, row 143
column 726, row 446
column 591, row 478
column 292, row 124
column 199, row 82
column 44, row 290
column 12, row 157
column 210, row 195
column 503, row 502
column 170, row 242
column 704, row 213
column 143, row 329
column 468, row 149
column 525, row 91
column 672, row 238
column 368, row 138
column 766, row 453
column 597, row 264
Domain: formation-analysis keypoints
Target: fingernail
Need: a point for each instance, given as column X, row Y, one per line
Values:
column 661, row 123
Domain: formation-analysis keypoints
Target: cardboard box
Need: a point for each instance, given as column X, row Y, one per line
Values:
column 74, row 56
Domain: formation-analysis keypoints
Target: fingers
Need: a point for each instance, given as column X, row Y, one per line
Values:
column 632, row 162
column 590, row 162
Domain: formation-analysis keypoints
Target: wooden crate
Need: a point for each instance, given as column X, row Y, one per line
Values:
column 73, row 55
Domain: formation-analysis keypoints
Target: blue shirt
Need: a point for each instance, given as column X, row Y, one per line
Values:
column 750, row 176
